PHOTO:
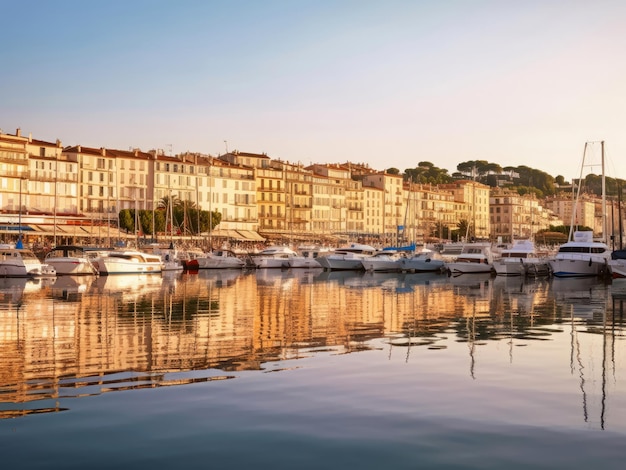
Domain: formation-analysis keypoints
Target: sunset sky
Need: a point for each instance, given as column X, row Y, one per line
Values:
column 388, row 83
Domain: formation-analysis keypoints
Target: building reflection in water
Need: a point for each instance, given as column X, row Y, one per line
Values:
column 82, row 336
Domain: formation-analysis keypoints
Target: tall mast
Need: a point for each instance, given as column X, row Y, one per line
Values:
column 604, row 227
column 576, row 194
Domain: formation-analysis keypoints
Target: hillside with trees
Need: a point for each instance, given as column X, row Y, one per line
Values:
column 523, row 179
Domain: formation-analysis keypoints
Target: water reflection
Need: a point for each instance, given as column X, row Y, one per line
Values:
column 84, row 336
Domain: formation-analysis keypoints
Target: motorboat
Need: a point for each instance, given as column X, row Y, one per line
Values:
column 617, row 264
column 383, row 261
column 22, row 262
column 308, row 257
column 348, row 258
column 581, row 257
column 474, row 258
column 73, row 260
column 189, row 259
column 422, row 261
column 128, row 262
column 220, row 259
column 274, row 257
column 169, row 256
column 521, row 259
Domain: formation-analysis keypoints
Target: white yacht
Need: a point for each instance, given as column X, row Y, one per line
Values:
column 73, row 260
column 383, row 261
column 423, row 261
column 308, row 257
column 22, row 262
column 128, row 262
column 474, row 258
column 220, row 259
column 581, row 257
column 274, row 257
column 617, row 264
column 347, row 258
column 521, row 259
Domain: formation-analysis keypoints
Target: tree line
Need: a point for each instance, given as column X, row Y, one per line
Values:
column 171, row 217
column 523, row 179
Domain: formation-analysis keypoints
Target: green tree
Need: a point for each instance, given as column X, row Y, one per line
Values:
column 463, row 229
column 127, row 220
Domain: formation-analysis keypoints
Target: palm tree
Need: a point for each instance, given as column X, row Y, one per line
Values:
column 164, row 202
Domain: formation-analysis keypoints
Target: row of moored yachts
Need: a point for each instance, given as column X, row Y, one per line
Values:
column 581, row 257
column 578, row 258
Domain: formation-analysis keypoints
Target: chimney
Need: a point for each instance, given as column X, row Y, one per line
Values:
column 103, row 151
column 79, row 149
column 18, row 132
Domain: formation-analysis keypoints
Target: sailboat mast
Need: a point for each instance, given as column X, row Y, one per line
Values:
column 576, row 194
column 604, row 224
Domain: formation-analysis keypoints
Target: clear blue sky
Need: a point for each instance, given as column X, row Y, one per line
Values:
column 389, row 83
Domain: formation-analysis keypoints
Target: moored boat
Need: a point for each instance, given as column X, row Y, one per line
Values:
column 474, row 258
column 220, row 259
column 274, row 257
column 308, row 257
column 617, row 264
column 22, row 262
column 423, row 261
column 348, row 258
column 521, row 259
column 128, row 262
column 581, row 257
column 383, row 261
column 73, row 260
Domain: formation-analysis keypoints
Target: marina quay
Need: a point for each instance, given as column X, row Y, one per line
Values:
column 55, row 194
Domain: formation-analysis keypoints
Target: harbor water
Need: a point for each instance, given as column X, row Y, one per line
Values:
column 309, row 369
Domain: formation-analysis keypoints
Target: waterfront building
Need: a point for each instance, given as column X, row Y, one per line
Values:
column 97, row 190
column 514, row 216
column 374, row 200
column 299, row 200
column 355, row 207
column 14, row 171
column 330, row 211
column 230, row 189
column 431, row 213
column 473, row 206
column 563, row 206
column 392, row 203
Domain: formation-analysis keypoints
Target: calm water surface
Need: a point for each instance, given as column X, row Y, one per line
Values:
column 310, row 369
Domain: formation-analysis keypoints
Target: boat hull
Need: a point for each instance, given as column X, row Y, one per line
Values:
column 468, row 268
column 300, row 262
column 578, row 267
column 72, row 266
column 380, row 265
column 333, row 263
column 19, row 262
column 128, row 263
column 521, row 267
column 422, row 265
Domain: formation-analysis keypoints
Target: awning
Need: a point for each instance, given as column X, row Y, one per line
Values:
column 224, row 233
column 251, row 235
column 15, row 228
